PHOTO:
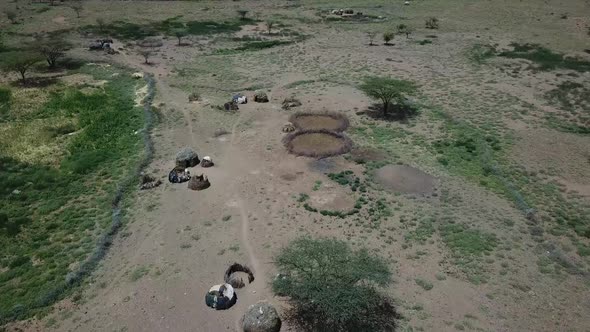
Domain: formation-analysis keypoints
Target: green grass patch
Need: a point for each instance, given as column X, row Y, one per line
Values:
column 52, row 213
column 138, row 273
column 479, row 53
column 464, row 241
column 423, row 231
column 544, row 58
column 5, row 101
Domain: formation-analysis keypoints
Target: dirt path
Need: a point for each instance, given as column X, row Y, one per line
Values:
column 177, row 243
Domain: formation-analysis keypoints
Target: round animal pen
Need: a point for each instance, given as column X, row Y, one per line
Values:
column 333, row 121
column 317, row 143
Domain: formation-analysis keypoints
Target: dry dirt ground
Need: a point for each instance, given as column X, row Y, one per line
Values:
column 177, row 243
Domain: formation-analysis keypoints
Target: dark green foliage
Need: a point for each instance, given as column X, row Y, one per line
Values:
column 570, row 96
column 343, row 178
column 309, row 208
column 254, row 46
column 388, row 91
column 260, row 45
column 199, row 28
column 425, row 41
column 124, row 30
column 332, row 288
column 574, row 99
column 302, row 198
column 132, row 31
column 544, row 58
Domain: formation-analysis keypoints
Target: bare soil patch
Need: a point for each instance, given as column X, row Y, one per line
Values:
column 317, row 143
column 332, row 200
column 333, row 121
column 405, row 179
column 364, row 154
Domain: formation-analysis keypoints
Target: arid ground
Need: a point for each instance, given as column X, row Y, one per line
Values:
column 480, row 202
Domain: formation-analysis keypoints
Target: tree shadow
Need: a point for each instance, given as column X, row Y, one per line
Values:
column 395, row 112
column 36, row 82
column 382, row 316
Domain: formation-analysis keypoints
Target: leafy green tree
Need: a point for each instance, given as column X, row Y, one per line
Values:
column 404, row 29
column 387, row 37
column 19, row 62
column 387, row 90
column 242, row 14
column 180, row 33
column 333, row 288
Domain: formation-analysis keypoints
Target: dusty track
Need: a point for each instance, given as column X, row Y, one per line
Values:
column 148, row 282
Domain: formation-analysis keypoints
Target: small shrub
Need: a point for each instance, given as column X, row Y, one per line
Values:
column 432, row 23
column 302, row 197
column 425, row 284
column 194, row 96
column 387, row 37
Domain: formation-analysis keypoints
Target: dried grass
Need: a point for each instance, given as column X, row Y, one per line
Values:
column 320, row 143
column 334, row 121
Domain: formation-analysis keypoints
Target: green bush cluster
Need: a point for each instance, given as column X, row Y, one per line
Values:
column 544, row 58
column 132, row 31
column 333, row 288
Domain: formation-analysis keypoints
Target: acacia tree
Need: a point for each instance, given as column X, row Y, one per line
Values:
column 371, row 35
column 146, row 54
column 77, row 7
column 387, row 37
column 53, row 49
column 387, row 90
column 242, row 14
column 20, row 62
column 404, row 29
column 333, row 288
column 180, row 33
